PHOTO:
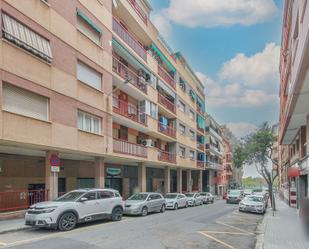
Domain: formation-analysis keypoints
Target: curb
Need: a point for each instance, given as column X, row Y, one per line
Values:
column 15, row 230
column 12, row 215
column 261, row 230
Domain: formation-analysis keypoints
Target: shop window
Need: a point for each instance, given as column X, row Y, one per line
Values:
column 88, row 122
column 24, row 102
column 89, row 76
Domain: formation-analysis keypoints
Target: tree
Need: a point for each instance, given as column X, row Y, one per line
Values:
column 239, row 156
column 259, row 147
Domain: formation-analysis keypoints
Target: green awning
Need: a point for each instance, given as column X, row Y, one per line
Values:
column 200, row 122
column 192, row 94
column 123, row 52
column 162, row 57
column 200, row 103
column 89, row 21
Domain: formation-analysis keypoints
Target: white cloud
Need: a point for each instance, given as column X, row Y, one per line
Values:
column 260, row 68
column 241, row 129
column 162, row 24
column 212, row 13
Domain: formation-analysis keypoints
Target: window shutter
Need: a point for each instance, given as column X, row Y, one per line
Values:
column 89, row 76
column 23, row 102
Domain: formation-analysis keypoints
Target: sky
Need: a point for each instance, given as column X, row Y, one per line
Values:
column 234, row 48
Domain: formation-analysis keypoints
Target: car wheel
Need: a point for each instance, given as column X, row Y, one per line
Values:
column 187, row 204
column 144, row 211
column 162, row 210
column 212, row 201
column 67, row 221
column 176, row 206
column 117, row 214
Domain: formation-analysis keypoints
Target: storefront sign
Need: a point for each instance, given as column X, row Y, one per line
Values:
column 54, row 160
column 113, row 171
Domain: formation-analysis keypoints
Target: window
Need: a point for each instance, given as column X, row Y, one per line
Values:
column 191, row 155
column 90, row 196
column 149, row 108
column 88, row 27
column 192, row 115
column 182, row 84
column 182, row 128
column 105, row 194
column 192, row 134
column 89, row 76
column 182, row 106
column 88, row 122
column 24, row 102
column 25, row 38
column 182, row 151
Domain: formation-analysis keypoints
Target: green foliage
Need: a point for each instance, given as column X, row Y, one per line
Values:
column 253, row 182
column 239, row 156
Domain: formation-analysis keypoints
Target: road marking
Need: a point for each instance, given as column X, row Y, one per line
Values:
column 19, row 242
column 2, row 244
column 233, row 227
column 233, row 233
column 217, row 240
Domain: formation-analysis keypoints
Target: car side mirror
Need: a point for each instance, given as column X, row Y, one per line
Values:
column 83, row 199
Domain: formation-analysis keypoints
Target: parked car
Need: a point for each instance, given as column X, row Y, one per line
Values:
column 194, row 199
column 175, row 201
column 248, row 192
column 77, row 206
column 234, row 196
column 252, row 203
column 144, row 203
column 207, row 197
column 263, row 195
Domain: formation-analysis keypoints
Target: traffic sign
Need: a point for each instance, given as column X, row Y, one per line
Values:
column 54, row 160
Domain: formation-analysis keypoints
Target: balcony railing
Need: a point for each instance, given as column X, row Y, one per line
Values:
column 166, row 76
column 198, row 109
column 126, row 73
column 200, row 129
column 166, row 130
column 200, row 146
column 129, row 111
column 200, row 164
column 166, row 103
column 129, row 39
column 128, row 148
column 166, row 156
column 139, row 10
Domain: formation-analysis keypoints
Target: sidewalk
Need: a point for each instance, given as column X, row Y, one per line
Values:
column 12, row 225
column 282, row 231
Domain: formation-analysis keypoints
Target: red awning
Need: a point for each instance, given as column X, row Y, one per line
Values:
column 293, row 172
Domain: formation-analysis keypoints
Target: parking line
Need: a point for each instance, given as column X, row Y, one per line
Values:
column 233, row 233
column 233, row 227
column 2, row 244
column 217, row 240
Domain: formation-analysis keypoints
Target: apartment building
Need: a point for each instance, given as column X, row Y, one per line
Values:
column 214, row 154
column 294, row 104
column 92, row 96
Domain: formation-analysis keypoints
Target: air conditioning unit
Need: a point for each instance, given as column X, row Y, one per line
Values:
column 147, row 142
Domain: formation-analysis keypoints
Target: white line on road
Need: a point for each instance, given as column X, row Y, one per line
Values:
column 233, row 227
column 217, row 240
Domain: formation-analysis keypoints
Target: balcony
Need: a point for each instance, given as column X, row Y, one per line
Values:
column 166, row 156
column 199, row 110
column 166, row 76
column 139, row 11
column 129, row 39
column 166, row 130
column 200, row 146
column 128, row 148
column 200, row 129
column 166, row 103
column 129, row 111
column 126, row 73
column 200, row 164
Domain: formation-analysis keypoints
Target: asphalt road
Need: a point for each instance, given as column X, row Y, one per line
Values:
column 211, row 226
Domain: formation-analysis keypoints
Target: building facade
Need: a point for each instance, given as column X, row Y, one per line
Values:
column 294, row 104
column 92, row 89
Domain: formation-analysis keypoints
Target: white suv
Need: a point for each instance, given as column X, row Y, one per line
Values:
column 77, row 206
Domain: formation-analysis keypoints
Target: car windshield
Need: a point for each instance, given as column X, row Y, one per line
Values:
column 253, row 198
column 71, row 196
column 170, row 196
column 234, row 192
column 189, row 195
column 203, row 194
column 138, row 197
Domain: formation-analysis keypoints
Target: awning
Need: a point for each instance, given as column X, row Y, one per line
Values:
column 293, row 172
column 123, row 52
column 89, row 21
column 200, row 122
column 166, row 88
column 200, row 103
column 192, row 94
column 162, row 57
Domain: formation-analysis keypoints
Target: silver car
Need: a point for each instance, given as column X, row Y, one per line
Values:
column 175, row 201
column 194, row 199
column 252, row 203
column 144, row 203
column 207, row 197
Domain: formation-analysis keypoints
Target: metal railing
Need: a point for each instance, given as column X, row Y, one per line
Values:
column 126, row 73
column 200, row 164
column 166, row 130
column 128, row 148
column 200, row 146
column 166, row 103
column 140, row 12
column 166, row 76
column 129, row 39
column 21, row 199
column 129, row 111
column 166, row 156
